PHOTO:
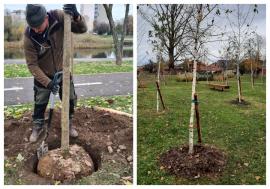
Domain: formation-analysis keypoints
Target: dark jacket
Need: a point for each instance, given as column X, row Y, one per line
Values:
column 44, row 52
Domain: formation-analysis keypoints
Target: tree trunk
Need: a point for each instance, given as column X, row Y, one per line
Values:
column 252, row 74
column 195, row 54
column 118, row 45
column 171, row 59
column 66, row 83
column 192, row 110
column 118, row 54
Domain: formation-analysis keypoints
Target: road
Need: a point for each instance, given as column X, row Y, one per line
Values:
column 20, row 90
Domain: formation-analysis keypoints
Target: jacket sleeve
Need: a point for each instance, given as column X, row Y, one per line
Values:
column 76, row 26
column 31, row 57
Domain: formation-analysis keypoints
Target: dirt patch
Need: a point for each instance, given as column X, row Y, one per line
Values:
column 205, row 161
column 97, row 131
column 242, row 103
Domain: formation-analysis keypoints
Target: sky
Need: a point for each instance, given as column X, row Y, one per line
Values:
column 118, row 9
column 144, row 50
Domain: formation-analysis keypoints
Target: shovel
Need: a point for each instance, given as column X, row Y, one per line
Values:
column 43, row 148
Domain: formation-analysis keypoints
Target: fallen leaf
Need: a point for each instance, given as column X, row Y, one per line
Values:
column 57, row 182
column 127, row 178
column 126, row 182
column 257, row 178
column 20, row 157
column 246, row 164
column 8, row 165
column 161, row 168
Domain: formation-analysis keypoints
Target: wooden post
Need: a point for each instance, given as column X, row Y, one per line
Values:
column 72, row 52
column 158, row 89
column 198, row 118
column 240, row 88
column 158, row 82
column 66, row 83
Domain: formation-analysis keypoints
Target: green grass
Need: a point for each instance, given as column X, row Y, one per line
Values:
column 239, row 131
column 120, row 103
column 21, row 70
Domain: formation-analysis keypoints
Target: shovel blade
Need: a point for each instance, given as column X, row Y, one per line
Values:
column 42, row 150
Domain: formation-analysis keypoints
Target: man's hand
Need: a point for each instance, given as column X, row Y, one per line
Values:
column 54, row 87
column 72, row 10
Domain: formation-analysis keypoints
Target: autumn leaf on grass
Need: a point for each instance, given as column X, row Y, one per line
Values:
column 19, row 157
column 126, row 182
column 258, row 178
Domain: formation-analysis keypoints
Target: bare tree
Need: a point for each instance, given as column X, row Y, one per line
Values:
column 240, row 21
column 251, row 52
column 118, row 45
column 169, row 27
column 199, row 30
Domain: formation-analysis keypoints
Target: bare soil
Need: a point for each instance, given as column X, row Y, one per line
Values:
column 98, row 132
column 206, row 161
column 242, row 103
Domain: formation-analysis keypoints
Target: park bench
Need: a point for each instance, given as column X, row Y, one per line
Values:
column 218, row 86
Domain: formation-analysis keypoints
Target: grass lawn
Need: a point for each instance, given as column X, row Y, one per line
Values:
column 240, row 131
column 21, row 70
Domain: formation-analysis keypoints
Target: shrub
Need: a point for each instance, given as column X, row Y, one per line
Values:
column 102, row 28
column 184, row 77
column 150, row 67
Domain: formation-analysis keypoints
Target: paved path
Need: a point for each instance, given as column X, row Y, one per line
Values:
column 20, row 90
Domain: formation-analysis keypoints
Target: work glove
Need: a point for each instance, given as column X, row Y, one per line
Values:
column 53, row 87
column 71, row 10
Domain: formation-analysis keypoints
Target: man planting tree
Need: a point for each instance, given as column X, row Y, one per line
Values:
column 43, row 47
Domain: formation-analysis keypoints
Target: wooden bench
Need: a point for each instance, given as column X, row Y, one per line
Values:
column 218, row 87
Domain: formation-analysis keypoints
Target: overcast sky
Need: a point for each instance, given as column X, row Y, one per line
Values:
column 118, row 10
column 144, row 52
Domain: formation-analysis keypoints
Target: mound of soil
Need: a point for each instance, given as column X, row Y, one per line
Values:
column 242, row 103
column 76, row 163
column 98, row 132
column 205, row 161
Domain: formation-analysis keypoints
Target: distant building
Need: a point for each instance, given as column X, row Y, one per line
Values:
column 6, row 12
column 88, row 11
column 100, row 14
column 93, row 14
column 16, row 15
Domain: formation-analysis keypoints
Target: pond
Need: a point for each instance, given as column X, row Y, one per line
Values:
column 78, row 53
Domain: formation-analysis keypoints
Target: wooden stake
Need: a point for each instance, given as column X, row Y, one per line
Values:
column 198, row 118
column 158, row 89
column 158, row 82
column 66, row 83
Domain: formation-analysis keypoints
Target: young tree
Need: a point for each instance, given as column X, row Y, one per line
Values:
column 251, row 57
column 169, row 23
column 199, row 30
column 118, row 45
column 240, row 20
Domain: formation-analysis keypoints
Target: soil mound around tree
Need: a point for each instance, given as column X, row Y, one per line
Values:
column 107, row 138
column 205, row 161
column 242, row 103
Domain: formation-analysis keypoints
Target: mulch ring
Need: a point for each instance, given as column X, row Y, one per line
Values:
column 106, row 137
column 242, row 103
column 206, row 161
